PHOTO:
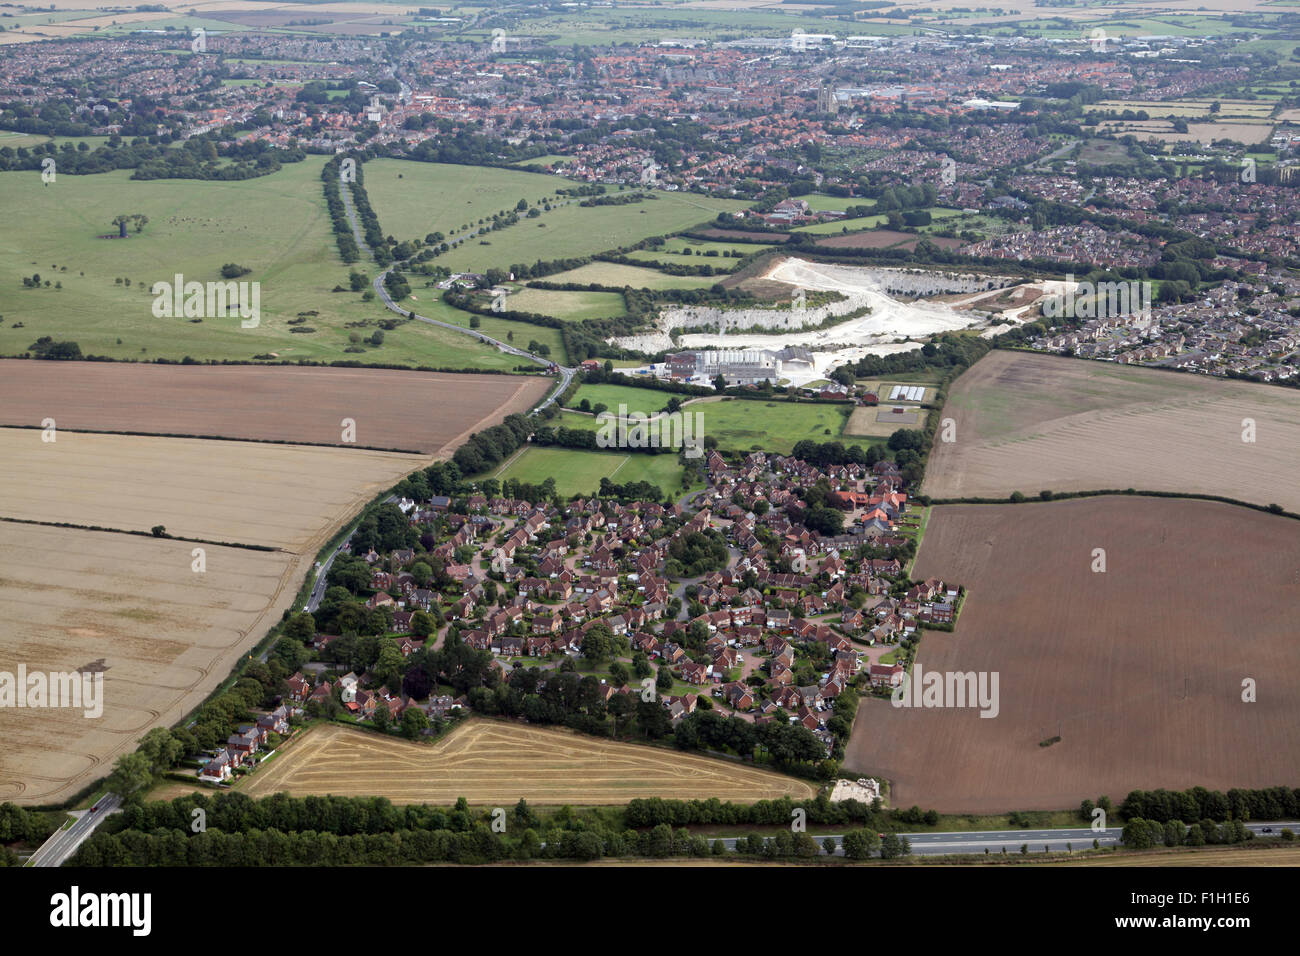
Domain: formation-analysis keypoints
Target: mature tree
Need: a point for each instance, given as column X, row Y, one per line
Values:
column 414, row 723
column 597, row 642
column 132, row 775
column 300, row 626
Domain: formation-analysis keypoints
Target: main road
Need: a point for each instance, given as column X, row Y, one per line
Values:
column 995, row 841
column 63, row 843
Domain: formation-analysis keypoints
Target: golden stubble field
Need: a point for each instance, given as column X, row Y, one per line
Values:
column 166, row 636
column 285, row 496
column 493, row 763
column 1036, row 422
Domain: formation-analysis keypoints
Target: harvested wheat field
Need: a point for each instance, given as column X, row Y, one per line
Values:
column 415, row 411
column 285, row 496
column 1036, row 422
column 491, row 763
column 1138, row 669
column 164, row 636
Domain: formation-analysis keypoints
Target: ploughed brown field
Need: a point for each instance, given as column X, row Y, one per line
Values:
column 165, row 634
column 1139, row 669
column 415, row 411
column 493, row 763
column 883, row 239
column 1030, row 423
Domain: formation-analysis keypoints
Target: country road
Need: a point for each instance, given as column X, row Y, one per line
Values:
column 566, row 374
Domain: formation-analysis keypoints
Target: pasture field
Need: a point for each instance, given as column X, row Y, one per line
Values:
column 496, row 764
column 647, row 400
column 820, row 202
column 164, row 635
column 743, row 424
column 568, row 306
column 1139, row 669
column 1029, row 422
column 426, row 302
column 413, row 199
column 574, row 230
column 290, row 404
column 275, row 225
column 578, row 472
column 841, row 226
column 617, row 275
column 292, row 497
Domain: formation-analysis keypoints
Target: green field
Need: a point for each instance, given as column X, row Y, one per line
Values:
column 573, row 230
column 641, row 400
column 275, row 225
column 698, row 252
column 413, row 199
column 579, row 472
column 569, row 306
column 637, row 277
column 840, row 226
column 503, row 330
column 737, row 424
column 550, row 159
column 818, row 202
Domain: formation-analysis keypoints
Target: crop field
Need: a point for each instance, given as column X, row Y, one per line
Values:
column 618, row 275
column 164, row 635
column 1187, row 108
column 290, row 404
column 285, row 496
column 413, row 199
column 1247, row 132
column 1138, row 669
column 492, row 764
column 575, row 230
column 578, row 472
column 99, row 293
column 1032, row 422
